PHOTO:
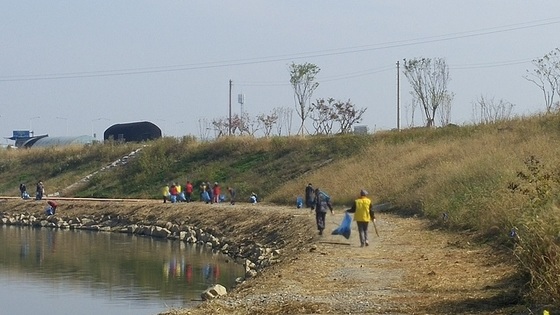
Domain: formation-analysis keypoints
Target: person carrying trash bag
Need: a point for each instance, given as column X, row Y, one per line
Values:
column 322, row 202
column 363, row 214
column 309, row 200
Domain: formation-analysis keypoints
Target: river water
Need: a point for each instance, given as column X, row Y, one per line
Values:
column 50, row 271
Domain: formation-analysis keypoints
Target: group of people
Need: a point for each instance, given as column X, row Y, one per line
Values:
column 175, row 193
column 39, row 191
column 362, row 208
column 39, row 194
column 207, row 192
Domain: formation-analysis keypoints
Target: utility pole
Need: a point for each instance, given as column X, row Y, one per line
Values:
column 398, row 99
column 229, row 127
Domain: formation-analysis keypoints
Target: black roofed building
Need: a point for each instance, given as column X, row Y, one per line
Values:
column 133, row 132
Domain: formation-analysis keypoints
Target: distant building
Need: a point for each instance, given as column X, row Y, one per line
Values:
column 361, row 130
column 133, row 132
column 20, row 136
column 46, row 141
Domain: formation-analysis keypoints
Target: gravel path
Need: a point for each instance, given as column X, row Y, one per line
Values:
column 408, row 269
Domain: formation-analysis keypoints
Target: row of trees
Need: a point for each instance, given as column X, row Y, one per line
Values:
column 428, row 78
column 328, row 116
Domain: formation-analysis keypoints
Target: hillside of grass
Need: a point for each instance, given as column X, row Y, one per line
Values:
column 498, row 180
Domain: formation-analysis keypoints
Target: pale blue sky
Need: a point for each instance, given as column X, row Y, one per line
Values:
column 81, row 66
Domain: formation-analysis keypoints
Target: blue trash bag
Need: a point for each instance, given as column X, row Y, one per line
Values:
column 206, row 196
column 182, row 197
column 345, row 227
column 324, row 196
column 49, row 210
column 299, row 202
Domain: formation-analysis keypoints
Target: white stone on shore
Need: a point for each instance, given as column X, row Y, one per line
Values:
column 213, row 292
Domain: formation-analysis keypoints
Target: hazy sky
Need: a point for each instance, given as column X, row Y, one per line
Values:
column 77, row 67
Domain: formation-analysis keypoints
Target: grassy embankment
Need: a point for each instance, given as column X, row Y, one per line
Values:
column 491, row 179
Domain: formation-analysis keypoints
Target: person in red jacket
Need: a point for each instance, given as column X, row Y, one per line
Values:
column 188, row 191
column 173, row 191
column 216, row 191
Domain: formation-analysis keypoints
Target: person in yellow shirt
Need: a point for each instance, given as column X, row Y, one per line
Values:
column 363, row 214
column 165, row 193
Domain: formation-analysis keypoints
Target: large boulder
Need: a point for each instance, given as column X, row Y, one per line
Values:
column 213, row 292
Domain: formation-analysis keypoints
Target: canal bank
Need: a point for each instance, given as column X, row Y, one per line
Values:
column 408, row 269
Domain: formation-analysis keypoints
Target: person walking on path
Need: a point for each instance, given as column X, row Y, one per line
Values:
column 216, row 192
column 188, row 191
column 165, row 192
column 322, row 203
column 231, row 195
column 363, row 214
column 210, row 192
column 309, row 191
column 40, row 191
column 22, row 190
column 173, row 192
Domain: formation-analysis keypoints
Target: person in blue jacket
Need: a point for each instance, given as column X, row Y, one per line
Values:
column 322, row 204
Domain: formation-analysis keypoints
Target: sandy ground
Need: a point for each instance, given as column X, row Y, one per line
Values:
column 409, row 269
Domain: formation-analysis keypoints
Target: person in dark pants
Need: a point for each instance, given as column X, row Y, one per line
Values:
column 40, row 191
column 189, row 191
column 309, row 192
column 22, row 190
column 232, row 195
column 322, row 203
column 363, row 214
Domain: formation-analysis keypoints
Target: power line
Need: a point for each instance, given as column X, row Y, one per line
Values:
column 491, row 65
column 270, row 59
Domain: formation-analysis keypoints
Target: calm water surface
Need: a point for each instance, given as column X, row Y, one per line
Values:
column 47, row 271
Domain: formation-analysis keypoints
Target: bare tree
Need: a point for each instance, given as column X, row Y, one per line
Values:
column 445, row 110
column 546, row 76
column 410, row 109
column 250, row 125
column 221, row 126
column 284, row 119
column 327, row 113
column 347, row 115
column 488, row 111
column 238, row 124
column 429, row 79
column 268, row 121
column 204, row 127
column 323, row 114
column 302, row 78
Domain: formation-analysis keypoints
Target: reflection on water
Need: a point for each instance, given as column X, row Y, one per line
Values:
column 115, row 273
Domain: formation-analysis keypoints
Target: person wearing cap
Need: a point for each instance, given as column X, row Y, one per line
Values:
column 309, row 191
column 363, row 214
column 322, row 203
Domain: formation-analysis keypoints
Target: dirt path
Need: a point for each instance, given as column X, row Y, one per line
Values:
column 409, row 269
